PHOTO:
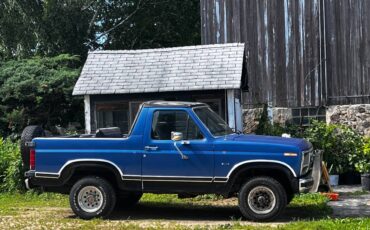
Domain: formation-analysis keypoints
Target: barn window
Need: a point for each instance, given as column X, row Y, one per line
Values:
column 113, row 115
column 302, row 116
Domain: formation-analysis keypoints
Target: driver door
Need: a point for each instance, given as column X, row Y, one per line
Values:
column 163, row 168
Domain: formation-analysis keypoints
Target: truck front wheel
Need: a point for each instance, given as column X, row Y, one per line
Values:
column 126, row 200
column 262, row 199
column 92, row 197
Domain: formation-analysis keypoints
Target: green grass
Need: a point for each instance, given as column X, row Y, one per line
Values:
column 51, row 211
column 312, row 202
column 357, row 193
column 330, row 224
column 10, row 203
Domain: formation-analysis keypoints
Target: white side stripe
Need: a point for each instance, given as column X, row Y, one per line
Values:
column 259, row 161
column 78, row 160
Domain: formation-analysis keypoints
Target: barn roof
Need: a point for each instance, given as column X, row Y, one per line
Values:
column 204, row 67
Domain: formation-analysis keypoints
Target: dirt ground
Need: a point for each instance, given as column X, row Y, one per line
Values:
column 221, row 213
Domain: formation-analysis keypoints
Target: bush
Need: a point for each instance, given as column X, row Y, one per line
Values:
column 11, row 178
column 339, row 143
column 362, row 160
column 38, row 91
column 266, row 128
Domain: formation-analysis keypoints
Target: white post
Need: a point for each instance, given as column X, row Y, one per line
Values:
column 87, row 114
column 238, row 115
column 231, row 108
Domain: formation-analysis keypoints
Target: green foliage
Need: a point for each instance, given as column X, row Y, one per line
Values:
column 266, row 128
column 156, row 23
column 339, row 143
column 38, row 91
column 10, row 166
column 344, row 148
column 51, row 27
column 361, row 161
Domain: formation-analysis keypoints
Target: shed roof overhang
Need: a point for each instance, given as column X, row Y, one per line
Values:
column 204, row 67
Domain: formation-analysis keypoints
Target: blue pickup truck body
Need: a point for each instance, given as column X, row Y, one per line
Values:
column 214, row 164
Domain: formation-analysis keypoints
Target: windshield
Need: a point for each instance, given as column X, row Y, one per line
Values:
column 216, row 125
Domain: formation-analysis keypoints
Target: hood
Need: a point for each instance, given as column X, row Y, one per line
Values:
column 271, row 140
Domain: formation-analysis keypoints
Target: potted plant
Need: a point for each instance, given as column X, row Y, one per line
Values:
column 362, row 165
column 334, row 172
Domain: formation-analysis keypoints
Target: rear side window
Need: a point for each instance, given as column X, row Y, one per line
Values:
column 165, row 122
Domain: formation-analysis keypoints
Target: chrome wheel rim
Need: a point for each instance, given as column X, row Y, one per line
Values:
column 90, row 199
column 261, row 200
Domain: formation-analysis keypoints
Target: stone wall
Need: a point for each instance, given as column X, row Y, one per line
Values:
column 354, row 116
column 251, row 119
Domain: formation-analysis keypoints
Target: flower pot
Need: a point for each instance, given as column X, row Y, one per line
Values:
column 333, row 180
column 349, row 178
column 365, row 181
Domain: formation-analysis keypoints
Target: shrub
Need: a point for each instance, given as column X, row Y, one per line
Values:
column 361, row 161
column 10, row 166
column 339, row 143
column 266, row 128
column 38, row 91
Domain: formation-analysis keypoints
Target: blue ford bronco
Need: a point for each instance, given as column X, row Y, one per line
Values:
column 181, row 148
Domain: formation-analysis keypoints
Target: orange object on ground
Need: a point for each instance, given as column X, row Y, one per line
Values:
column 331, row 195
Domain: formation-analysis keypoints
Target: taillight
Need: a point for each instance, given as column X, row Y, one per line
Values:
column 32, row 159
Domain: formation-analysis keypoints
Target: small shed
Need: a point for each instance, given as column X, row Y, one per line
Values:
column 115, row 83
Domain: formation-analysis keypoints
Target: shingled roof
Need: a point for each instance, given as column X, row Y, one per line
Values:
column 203, row 67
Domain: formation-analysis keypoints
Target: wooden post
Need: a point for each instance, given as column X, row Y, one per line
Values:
column 87, row 114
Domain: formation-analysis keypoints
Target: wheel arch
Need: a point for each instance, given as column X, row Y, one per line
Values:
column 277, row 170
column 76, row 169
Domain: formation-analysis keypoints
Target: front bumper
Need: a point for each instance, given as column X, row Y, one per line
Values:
column 311, row 182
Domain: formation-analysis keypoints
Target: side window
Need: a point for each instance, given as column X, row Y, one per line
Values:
column 165, row 122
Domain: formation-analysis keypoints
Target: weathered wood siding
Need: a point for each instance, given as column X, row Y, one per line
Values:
column 348, row 51
column 299, row 52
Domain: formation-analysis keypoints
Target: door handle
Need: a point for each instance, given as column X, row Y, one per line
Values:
column 151, row 148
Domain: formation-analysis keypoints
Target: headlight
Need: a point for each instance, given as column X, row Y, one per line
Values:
column 306, row 160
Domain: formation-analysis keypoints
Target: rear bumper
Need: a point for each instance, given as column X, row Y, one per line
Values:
column 311, row 182
column 29, row 176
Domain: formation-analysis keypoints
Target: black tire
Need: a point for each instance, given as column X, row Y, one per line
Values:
column 28, row 134
column 127, row 200
column 107, row 200
column 290, row 197
column 266, row 188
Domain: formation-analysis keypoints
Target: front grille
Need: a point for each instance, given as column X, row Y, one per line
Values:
column 307, row 161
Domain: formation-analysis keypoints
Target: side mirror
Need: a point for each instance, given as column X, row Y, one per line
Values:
column 176, row 136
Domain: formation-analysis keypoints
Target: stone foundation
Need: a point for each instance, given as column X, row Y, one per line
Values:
column 281, row 115
column 251, row 119
column 354, row 116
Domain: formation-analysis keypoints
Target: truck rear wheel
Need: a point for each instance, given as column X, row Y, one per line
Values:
column 92, row 197
column 262, row 199
column 28, row 134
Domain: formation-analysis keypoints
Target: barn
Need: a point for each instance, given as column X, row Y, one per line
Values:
column 305, row 59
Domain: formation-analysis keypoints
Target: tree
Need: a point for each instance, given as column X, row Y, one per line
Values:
column 51, row 27
column 39, row 91
column 148, row 24
column 46, row 28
